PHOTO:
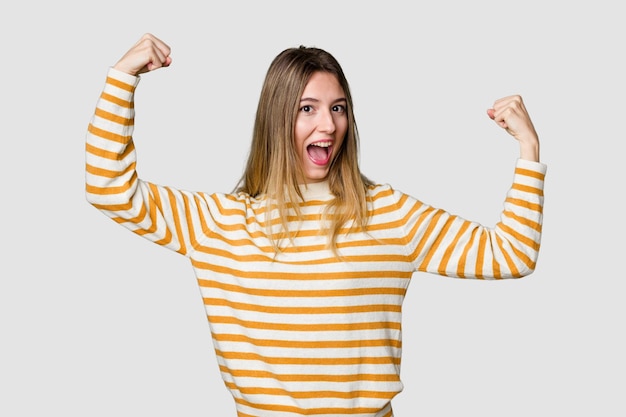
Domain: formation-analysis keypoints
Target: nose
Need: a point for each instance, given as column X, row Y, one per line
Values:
column 326, row 122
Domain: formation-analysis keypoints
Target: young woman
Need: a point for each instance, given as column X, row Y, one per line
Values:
column 303, row 269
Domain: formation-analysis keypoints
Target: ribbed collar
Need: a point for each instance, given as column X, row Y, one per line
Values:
column 316, row 190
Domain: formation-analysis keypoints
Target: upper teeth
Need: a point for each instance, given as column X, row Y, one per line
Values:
column 322, row 144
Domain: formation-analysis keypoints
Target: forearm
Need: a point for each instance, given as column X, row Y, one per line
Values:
column 109, row 151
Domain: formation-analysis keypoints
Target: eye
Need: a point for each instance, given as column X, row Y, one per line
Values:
column 306, row 109
column 339, row 108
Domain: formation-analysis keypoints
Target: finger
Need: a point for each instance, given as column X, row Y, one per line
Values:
column 514, row 101
column 501, row 115
column 500, row 119
column 497, row 117
column 157, row 58
column 148, row 54
column 163, row 49
column 508, row 109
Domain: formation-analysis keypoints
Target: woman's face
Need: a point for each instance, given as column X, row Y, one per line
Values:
column 321, row 125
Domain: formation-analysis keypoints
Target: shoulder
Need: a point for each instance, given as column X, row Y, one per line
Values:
column 238, row 199
column 381, row 192
column 384, row 195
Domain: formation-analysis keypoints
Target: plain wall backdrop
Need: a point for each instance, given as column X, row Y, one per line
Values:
column 96, row 321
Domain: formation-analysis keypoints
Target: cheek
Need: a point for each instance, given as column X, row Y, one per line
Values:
column 300, row 134
column 342, row 129
column 297, row 140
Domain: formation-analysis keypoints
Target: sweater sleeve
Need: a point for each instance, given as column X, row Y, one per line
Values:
column 441, row 243
column 163, row 215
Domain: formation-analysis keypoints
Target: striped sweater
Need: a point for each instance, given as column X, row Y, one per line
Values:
column 303, row 332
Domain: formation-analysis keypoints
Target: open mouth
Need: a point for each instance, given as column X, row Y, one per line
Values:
column 320, row 152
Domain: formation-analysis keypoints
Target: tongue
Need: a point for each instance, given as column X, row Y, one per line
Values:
column 317, row 153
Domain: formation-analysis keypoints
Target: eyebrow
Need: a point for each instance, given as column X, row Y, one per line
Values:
column 317, row 100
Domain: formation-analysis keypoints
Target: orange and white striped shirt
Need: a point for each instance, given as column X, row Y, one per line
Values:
column 304, row 332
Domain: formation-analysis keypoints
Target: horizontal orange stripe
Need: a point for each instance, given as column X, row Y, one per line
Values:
column 314, row 344
column 300, row 249
column 528, row 189
column 305, row 327
column 530, row 173
column 325, row 361
column 306, row 411
column 304, row 310
column 113, row 207
column 117, row 101
column 300, row 276
column 523, row 220
column 105, row 134
column 101, row 172
column 119, row 84
column 311, row 394
column 302, row 293
column 310, row 377
column 256, row 237
column 114, row 118
column 526, row 204
column 112, row 190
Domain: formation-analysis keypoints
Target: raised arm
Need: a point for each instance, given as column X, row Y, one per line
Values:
column 445, row 244
column 163, row 215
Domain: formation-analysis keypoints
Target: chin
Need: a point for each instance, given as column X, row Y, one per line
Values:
column 319, row 177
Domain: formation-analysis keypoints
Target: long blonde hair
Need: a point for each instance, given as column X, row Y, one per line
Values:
column 273, row 167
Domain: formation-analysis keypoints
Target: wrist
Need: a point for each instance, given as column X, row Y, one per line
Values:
column 529, row 151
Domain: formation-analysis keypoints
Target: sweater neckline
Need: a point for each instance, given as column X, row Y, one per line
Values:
column 315, row 190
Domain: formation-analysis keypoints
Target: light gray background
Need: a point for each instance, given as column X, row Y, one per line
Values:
column 95, row 321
